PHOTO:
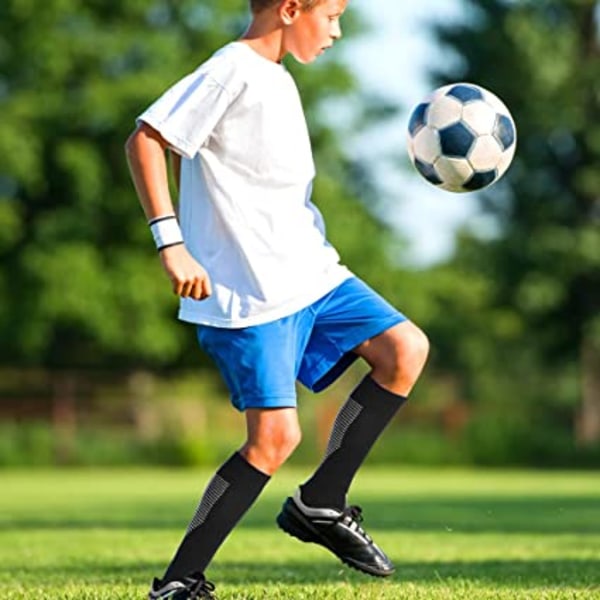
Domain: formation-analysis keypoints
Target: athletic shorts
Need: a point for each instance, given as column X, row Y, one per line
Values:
column 261, row 364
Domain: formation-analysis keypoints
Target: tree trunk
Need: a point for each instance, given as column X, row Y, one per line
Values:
column 588, row 422
column 64, row 416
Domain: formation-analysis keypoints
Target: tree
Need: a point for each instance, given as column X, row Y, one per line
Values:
column 80, row 284
column 542, row 268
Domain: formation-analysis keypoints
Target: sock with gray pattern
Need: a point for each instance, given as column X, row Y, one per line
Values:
column 357, row 427
column 228, row 496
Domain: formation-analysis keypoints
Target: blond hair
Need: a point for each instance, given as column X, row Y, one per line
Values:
column 258, row 5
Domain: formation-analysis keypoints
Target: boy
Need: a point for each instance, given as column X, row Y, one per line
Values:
column 271, row 302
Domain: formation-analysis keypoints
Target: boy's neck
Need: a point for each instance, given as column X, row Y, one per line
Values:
column 264, row 36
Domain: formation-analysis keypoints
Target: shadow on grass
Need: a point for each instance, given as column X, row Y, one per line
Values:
column 525, row 574
column 528, row 514
column 512, row 573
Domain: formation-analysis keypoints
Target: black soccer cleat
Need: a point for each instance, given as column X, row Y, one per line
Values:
column 338, row 531
column 193, row 587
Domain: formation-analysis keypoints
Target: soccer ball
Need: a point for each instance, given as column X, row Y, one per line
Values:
column 461, row 138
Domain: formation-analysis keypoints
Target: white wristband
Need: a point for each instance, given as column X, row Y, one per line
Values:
column 166, row 231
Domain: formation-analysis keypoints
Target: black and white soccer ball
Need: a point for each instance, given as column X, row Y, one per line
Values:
column 461, row 138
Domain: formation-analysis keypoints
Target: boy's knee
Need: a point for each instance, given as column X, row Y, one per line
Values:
column 414, row 347
column 407, row 348
column 269, row 453
column 401, row 359
column 287, row 443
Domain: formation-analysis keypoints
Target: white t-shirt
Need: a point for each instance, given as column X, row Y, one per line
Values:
column 245, row 189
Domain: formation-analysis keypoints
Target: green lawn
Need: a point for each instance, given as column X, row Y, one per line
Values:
column 452, row 534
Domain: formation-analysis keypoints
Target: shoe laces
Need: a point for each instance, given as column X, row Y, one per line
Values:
column 201, row 588
column 352, row 517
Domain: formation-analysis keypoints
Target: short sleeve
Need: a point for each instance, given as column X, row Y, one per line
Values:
column 187, row 112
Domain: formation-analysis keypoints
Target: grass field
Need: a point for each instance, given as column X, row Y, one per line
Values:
column 102, row 535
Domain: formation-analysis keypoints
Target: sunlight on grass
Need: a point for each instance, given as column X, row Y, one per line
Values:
column 453, row 534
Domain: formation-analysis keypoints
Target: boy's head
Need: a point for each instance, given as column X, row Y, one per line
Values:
column 308, row 27
column 259, row 5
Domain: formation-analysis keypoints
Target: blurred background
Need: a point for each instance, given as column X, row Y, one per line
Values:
column 94, row 367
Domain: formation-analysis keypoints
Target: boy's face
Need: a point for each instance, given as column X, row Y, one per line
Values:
column 311, row 32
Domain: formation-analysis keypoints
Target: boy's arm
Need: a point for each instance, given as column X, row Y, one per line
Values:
column 176, row 166
column 145, row 150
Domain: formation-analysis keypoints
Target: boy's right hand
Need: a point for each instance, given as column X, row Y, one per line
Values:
column 188, row 277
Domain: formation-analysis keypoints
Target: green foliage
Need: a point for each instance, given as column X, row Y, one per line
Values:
column 80, row 283
column 546, row 261
column 525, row 302
column 509, row 316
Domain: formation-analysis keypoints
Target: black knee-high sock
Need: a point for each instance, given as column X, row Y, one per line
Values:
column 356, row 428
column 230, row 493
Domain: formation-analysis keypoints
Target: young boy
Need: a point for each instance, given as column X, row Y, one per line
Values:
column 271, row 302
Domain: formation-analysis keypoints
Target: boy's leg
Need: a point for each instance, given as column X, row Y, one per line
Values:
column 318, row 512
column 272, row 436
column 259, row 366
column 397, row 357
column 229, row 494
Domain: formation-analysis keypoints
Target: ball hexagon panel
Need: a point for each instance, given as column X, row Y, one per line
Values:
column 480, row 117
column 444, row 112
column 485, row 154
column 453, row 172
column 426, row 145
column 505, row 160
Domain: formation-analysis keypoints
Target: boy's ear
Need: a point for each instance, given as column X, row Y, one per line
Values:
column 289, row 10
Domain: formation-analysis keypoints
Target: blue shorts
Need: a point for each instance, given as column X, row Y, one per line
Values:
column 262, row 363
